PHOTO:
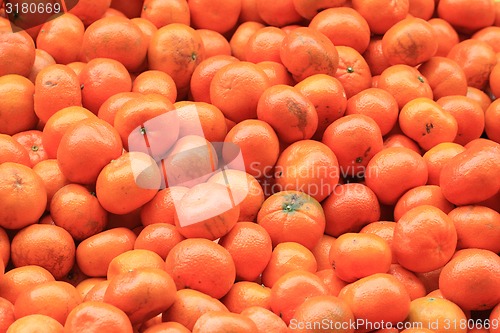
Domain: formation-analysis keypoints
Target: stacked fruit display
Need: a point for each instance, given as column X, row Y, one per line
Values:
column 250, row 166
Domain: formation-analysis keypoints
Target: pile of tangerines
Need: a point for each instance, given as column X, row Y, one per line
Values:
column 367, row 196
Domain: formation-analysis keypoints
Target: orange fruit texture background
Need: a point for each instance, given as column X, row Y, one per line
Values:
column 250, row 166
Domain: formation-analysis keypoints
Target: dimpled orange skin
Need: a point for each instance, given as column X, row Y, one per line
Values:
column 36, row 244
column 350, row 207
column 425, row 121
column 444, row 76
column 477, row 59
column 194, row 218
column 311, row 158
column 77, row 210
column 325, row 307
column 265, row 320
column 287, row 257
column 437, row 312
column 465, row 18
column 279, row 212
column 292, row 289
column 377, row 297
column 410, row 41
column 236, row 88
column 474, row 220
column 471, row 279
column 398, row 169
column 248, row 241
column 127, row 183
column 306, row 52
column 30, row 191
column 492, row 126
column 290, row 113
column 354, row 139
column 116, row 38
column 221, row 321
column 404, row 83
column 424, row 232
column 328, row 96
column 437, row 156
column 357, row 255
column 13, row 151
column 381, row 15
column 56, row 87
column 17, row 52
column 469, row 115
column 202, row 265
column 17, row 111
column 153, row 286
column 89, row 139
column 472, row 176
column 176, row 49
column 422, row 195
column 189, row 305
